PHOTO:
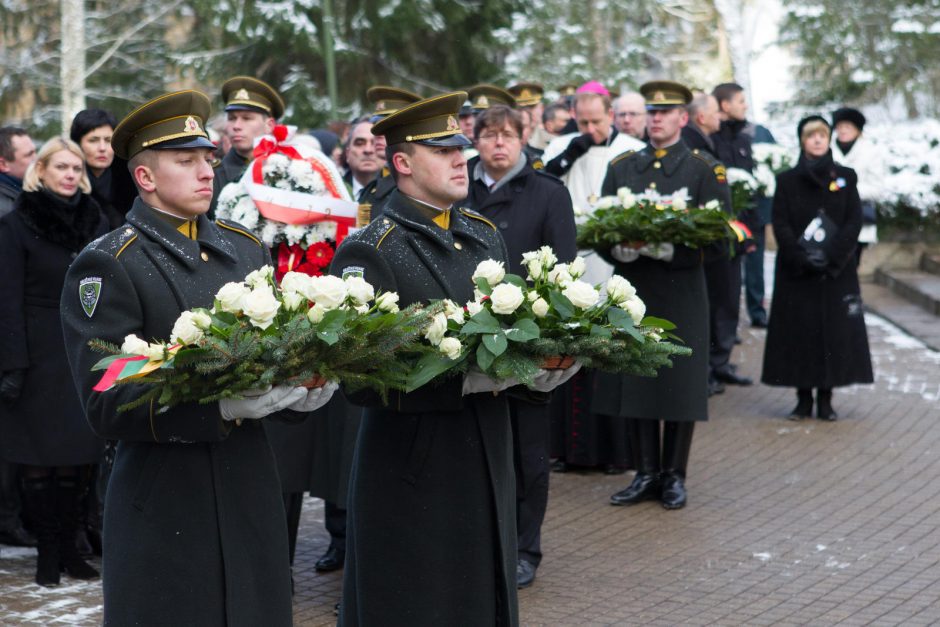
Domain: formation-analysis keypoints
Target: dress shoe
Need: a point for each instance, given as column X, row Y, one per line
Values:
column 804, row 405
column 760, row 323
column 731, row 377
column 17, row 537
column 612, row 469
column 824, row 410
column 715, row 386
column 333, row 559
column 525, row 574
column 673, row 494
column 559, row 465
column 645, row 487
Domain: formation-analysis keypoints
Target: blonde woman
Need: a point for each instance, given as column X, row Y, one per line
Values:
column 42, row 425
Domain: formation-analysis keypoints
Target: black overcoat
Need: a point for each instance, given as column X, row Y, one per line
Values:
column 46, row 425
column 674, row 290
column 431, row 534
column 531, row 210
column 816, row 334
column 194, row 525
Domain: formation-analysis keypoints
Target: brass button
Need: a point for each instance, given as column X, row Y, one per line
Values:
column 657, row 165
column 204, row 255
column 458, row 246
column 652, row 185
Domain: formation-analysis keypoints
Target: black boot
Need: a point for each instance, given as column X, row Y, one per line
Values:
column 40, row 493
column 67, row 506
column 644, row 438
column 677, row 442
column 824, row 410
column 804, row 405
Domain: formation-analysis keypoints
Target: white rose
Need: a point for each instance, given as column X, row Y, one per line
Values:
column 604, row 203
column 451, row 347
column 581, row 294
column 294, row 301
column 532, row 296
column 316, row 313
column 559, row 275
column 474, row 307
column 185, row 330
column 535, row 269
column 627, row 199
column 155, row 352
column 260, row 306
column 133, row 345
column 635, row 307
column 260, row 277
column 296, row 282
column 714, row 205
column 679, row 203
column 490, row 270
column 231, row 295
column 329, row 291
column 506, row 298
column 361, row 309
column 453, row 312
column 387, row 302
column 359, row 290
column 532, row 255
column 436, row 330
column 577, row 268
column 202, row 319
column 620, row 289
column 540, row 308
column 547, row 256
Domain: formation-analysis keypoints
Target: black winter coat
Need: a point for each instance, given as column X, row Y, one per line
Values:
column 816, row 334
column 674, row 290
column 431, row 536
column 39, row 239
column 531, row 210
column 194, row 524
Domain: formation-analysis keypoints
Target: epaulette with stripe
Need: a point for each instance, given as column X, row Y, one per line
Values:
column 235, row 227
column 373, row 233
column 473, row 215
column 623, row 156
column 115, row 242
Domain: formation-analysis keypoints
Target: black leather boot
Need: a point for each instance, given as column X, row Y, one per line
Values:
column 804, row 405
column 824, row 410
column 67, row 509
column 644, row 438
column 40, row 494
column 677, row 443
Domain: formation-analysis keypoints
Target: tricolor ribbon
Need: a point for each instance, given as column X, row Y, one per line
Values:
column 290, row 207
column 131, row 367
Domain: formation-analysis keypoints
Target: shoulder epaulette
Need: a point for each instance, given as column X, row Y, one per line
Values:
column 115, row 242
column 704, row 156
column 623, row 156
column 374, row 233
column 476, row 216
column 237, row 228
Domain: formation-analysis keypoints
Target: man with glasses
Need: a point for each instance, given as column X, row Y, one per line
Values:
column 630, row 115
column 531, row 209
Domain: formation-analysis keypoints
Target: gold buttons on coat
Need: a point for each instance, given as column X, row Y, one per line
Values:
column 657, row 165
column 458, row 246
column 204, row 255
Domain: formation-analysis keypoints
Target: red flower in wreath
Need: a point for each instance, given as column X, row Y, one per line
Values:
column 320, row 254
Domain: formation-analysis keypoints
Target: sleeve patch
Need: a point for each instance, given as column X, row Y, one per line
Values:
column 358, row 271
column 721, row 174
column 89, row 292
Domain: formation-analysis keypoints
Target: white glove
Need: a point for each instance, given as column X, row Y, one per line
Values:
column 548, row 380
column 259, row 403
column 661, row 252
column 315, row 398
column 475, row 382
column 624, row 254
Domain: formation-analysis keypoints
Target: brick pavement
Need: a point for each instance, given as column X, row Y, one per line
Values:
column 787, row 524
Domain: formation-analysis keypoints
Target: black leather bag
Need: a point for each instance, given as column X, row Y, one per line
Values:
column 819, row 233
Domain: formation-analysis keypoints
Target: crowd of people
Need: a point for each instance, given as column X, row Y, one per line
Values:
column 434, row 501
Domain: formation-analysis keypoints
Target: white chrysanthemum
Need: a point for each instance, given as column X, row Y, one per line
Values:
column 269, row 232
column 294, row 233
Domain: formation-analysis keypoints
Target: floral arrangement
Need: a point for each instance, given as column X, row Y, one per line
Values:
column 769, row 161
column 258, row 334
column 293, row 198
column 651, row 218
column 513, row 328
column 745, row 189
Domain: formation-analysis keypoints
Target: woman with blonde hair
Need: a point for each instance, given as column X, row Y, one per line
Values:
column 816, row 336
column 42, row 425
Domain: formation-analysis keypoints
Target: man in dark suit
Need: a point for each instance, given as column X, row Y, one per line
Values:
column 431, row 535
column 531, row 209
column 195, row 532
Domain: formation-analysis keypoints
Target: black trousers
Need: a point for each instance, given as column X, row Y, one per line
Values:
column 10, row 504
column 334, row 519
column 723, row 281
column 531, row 436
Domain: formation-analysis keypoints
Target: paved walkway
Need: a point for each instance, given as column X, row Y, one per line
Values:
column 787, row 524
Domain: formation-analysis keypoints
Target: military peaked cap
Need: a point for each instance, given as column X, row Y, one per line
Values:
column 387, row 100
column 175, row 120
column 432, row 121
column 244, row 93
column 527, row 94
column 665, row 95
column 483, row 96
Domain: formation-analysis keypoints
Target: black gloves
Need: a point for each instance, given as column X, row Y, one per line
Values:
column 576, row 147
column 816, row 259
column 11, row 385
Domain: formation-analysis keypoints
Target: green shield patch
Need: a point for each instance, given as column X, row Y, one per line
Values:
column 89, row 291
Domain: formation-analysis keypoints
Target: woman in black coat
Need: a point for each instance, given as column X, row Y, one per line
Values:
column 111, row 184
column 816, row 336
column 42, row 425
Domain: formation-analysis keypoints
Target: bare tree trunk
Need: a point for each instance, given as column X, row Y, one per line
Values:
column 72, row 69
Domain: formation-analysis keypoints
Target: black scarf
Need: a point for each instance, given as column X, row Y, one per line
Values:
column 845, row 147
column 70, row 222
column 821, row 171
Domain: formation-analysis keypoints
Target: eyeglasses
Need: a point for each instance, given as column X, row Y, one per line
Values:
column 490, row 136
